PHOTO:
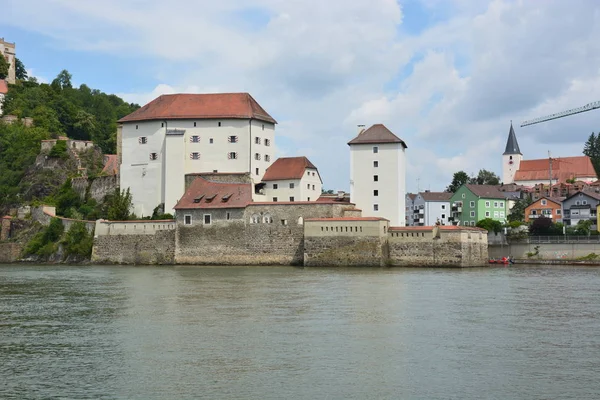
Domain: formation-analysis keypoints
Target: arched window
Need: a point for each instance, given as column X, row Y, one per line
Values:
column 267, row 219
column 255, row 219
column 300, row 220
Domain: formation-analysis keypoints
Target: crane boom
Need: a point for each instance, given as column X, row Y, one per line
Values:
column 587, row 107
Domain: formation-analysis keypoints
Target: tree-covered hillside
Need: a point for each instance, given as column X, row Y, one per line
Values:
column 56, row 109
column 60, row 109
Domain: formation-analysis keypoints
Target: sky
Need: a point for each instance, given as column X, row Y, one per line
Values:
column 446, row 76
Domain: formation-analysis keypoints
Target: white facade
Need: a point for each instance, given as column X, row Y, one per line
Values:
column 156, row 155
column 8, row 51
column 378, row 180
column 510, row 166
column 429, row 212
column 308, row 188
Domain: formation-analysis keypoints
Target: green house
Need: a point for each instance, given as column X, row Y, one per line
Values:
column 472, row 203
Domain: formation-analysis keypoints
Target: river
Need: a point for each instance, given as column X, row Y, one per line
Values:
column 108, row 332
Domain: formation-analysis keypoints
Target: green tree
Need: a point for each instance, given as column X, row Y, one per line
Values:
column 485, row 177
column 78, row 241
column 490, row 225
column 118, row 205
column 460, row 178
column 517, row 212
column 4, row 67
column 591, row 148
column 20, row 71
column 62, row 80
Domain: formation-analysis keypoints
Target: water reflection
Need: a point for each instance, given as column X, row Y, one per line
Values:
column 235, row 332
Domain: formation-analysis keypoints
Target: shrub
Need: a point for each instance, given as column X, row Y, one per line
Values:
column 78, row 241
column 589, row 257
column 59, row 150
column 490, row 225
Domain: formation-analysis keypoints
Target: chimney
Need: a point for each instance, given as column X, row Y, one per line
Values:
column 361, row 129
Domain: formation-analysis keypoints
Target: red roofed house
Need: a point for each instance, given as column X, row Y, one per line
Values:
column 292, row 179
column 533, row 172
column 181, row 134
column 206, row 202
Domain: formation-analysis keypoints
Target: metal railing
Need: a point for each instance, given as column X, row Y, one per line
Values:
column 558, row 239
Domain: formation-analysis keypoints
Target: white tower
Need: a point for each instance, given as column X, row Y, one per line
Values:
column 511, row 158
column 378, row 174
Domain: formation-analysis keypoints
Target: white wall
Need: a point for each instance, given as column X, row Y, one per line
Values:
column 508, row 169
column 390, row 185
column 162, row 180
column 302, row 191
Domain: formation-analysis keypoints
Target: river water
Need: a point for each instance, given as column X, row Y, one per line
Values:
column 105, row 332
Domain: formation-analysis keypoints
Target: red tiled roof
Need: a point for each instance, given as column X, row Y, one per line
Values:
column 562, row 169
column 200, row 106
column 341, row 219
column 111, row 164
column 3, row 86
column 377, row 133
column 288, row 168
column 486, row 191
column 203, row 194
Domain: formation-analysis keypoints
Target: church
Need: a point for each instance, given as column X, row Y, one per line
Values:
column 533, row 172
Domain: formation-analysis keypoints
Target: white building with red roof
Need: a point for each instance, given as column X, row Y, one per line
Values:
column 180, row 134
column 292, row 179
column 378, row 174
column 533, row 172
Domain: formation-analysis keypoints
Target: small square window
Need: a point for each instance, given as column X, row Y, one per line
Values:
column 472, row 213
column 257, row 156
column 495, row 204
column 194, row 124
column 375, row 178
column 232, row 139
column 228, row 215
column 375, row 149
column 495, row 214
column 487, row 214
column 375, row 164
column 187, row 220
column 195, row 156
column 472, row 204
column 219, row 123
column 267, row 142
column 275, row 199
column 443, row 206
column 558, row 212
column 232, row 155
column 375, row 192
column 544, row 202
column 375, row 207
column 501, row 204
column 501, row 214
column 308, row 186
column 275, row 186
column 142, row 140
column 207, row 219
column 267, row 158
column 487, row 204
column 153, row 156
column 443, row 216
column 463, row 195
column 210, row 141
column 291, row 185
column 194, row 139
column 257, row 140
column 291, row 198
column 256, row 170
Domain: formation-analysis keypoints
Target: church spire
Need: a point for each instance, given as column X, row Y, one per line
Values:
column 512, row 146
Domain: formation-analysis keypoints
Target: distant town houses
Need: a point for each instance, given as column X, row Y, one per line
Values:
column 428, row 208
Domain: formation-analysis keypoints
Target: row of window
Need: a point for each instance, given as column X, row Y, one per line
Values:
column 292, row 186
column 292, row 198
column 497, row 204
column 257, row 140
column 162, row 125
column 497, row 214
column 341, row 228
column 232, row 155
column 310, row 173
column 196, row 139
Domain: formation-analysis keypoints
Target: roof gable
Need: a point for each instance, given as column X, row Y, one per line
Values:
column 376, row 134
column 204, row 194
column 591, row 195
column 200, row 106
column 486, row 191
column 562, row 169
column 436, row 196
column 288, row 168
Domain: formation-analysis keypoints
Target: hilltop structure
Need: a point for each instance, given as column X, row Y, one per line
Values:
column 378, row 174
column 180, row 134
column 8, row 51
column 534, row 172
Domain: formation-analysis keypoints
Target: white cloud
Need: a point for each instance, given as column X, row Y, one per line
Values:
column 320, row 68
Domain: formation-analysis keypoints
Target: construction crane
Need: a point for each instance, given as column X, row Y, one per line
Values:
column 588, row 107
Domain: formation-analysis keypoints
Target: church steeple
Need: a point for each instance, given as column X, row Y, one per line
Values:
column 512, row 146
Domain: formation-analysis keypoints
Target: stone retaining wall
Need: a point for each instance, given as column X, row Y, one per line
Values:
column 158, row 248
column 10, row 252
